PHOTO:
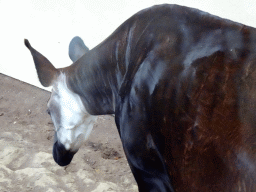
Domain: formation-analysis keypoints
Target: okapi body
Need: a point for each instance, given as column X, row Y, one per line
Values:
column 182, row 86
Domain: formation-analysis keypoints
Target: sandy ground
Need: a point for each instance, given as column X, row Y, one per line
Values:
column 26, row 138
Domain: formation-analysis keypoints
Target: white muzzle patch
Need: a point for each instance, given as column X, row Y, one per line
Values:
column 73, row 124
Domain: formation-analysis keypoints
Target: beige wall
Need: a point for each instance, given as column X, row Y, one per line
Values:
column 50, row 25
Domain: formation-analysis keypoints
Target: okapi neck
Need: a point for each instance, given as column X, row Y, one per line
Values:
column 93, row 78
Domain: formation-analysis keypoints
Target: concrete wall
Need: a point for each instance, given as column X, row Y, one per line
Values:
column 50, row 25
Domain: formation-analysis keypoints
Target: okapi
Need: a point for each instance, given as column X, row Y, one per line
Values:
column 181, row 84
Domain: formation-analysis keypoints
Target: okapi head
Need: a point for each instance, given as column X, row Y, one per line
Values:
column 72, row 122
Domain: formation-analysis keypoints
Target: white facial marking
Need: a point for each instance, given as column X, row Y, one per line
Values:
column 72, row 122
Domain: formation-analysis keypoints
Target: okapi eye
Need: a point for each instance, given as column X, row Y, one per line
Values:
column 48, row 111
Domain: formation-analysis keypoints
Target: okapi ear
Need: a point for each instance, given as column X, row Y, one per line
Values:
column 45, row 70
column 77, row 48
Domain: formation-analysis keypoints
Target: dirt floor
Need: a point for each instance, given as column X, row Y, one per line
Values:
column 26, row 138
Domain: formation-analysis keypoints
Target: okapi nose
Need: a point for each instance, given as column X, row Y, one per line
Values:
column 61, row 156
